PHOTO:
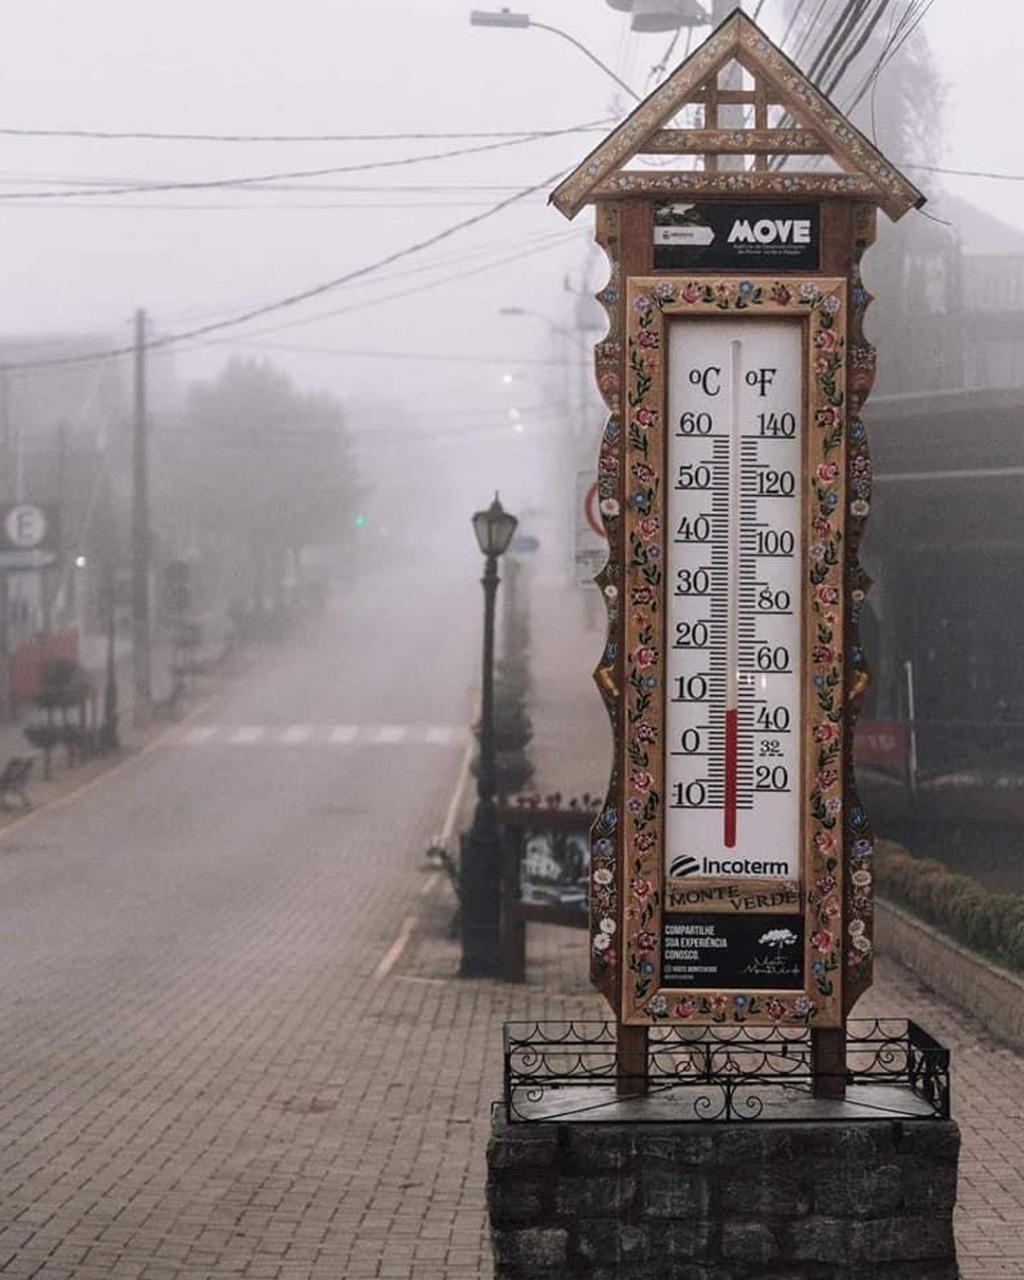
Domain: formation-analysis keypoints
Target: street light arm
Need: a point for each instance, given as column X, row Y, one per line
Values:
column 506, row 18
column 592, row 56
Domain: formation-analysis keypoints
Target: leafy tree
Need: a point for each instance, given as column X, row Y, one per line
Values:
column 255, row 471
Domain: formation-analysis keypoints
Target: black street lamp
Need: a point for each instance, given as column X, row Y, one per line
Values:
column 480, row 857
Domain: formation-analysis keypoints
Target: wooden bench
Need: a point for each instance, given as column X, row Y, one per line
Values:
column 12, row 781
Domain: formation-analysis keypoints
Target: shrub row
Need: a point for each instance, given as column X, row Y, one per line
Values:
column 990, row 923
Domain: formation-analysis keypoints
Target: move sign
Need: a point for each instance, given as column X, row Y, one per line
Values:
column 736, row 236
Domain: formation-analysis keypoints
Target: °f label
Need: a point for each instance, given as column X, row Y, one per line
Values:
column 734, row 484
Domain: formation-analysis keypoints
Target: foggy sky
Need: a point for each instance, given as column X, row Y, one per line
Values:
column 368, row 67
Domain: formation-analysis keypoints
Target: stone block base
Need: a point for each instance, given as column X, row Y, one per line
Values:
column 850, row 1199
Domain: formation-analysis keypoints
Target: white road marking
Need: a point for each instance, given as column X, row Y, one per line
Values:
column 248, row 734
column 393, row 953
column 202, row 734
column 337, row 735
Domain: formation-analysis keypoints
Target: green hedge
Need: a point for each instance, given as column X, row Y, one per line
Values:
column 991, row 923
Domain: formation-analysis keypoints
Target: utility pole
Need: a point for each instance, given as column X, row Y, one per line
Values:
column 140, row 533
column 5, row 489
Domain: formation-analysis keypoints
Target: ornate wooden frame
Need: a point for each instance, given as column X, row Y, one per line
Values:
column 734, row 164
column 820, row 305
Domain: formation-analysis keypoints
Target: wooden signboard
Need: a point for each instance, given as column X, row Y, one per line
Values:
column 731, row 864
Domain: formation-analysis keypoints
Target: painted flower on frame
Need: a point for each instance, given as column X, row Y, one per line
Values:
column 781, row 295
column 641, row 889
column 642, row 780
column 775, row 1009
column 603, row 876
column 648, row 527
column 609, row 507
column 803, row 1006
column 825, row 779
column 645, row 338
column 824, row 842
column 861, row 878
column 644, row 841
column 825, row 885
column 602, row 942
column 646, row 732
column 859, row 508
column 831, row 304
column 691, row 293
column 645, row 941
column 658, row 1006
column 856, row 928
column 826, row 594
column 826, row 417
column 643, row 303
column 645, row 417
column 862, row 942
column 826, row 732
column 607, row 925
column 642, row 595
column 643, row 472
column 685, row 1008
column 827, row 472
column 665, row 290
column 645, row 656
column 821, row 940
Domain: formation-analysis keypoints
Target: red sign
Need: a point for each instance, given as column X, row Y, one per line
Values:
column 883, row 742
column 591, row 511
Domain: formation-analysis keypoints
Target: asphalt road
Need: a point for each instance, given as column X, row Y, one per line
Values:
column 181, row 942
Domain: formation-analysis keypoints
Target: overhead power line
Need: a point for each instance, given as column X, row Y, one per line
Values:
column 151, row 136
column 136, row 188
column 303, row 295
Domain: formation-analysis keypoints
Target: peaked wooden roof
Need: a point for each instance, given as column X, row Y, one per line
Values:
column 820, row 130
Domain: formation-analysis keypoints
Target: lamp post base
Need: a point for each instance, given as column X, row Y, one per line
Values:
column 480, row 898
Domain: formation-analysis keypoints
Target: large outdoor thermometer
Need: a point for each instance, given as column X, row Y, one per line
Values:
column 734, row 653
column 734, row 523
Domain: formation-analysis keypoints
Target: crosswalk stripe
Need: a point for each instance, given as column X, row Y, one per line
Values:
column 370, row 735
column 202, row 734
column 247, row 734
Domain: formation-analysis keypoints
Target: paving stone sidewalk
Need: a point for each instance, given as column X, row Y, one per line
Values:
column 572, row 748
column 327, row 1124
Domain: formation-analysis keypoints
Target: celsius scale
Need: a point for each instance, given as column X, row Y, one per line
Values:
column 734, row 481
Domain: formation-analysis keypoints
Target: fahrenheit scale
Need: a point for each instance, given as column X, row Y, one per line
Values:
column 734, row 619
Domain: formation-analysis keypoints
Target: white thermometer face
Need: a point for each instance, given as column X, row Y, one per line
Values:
column 734, row 486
